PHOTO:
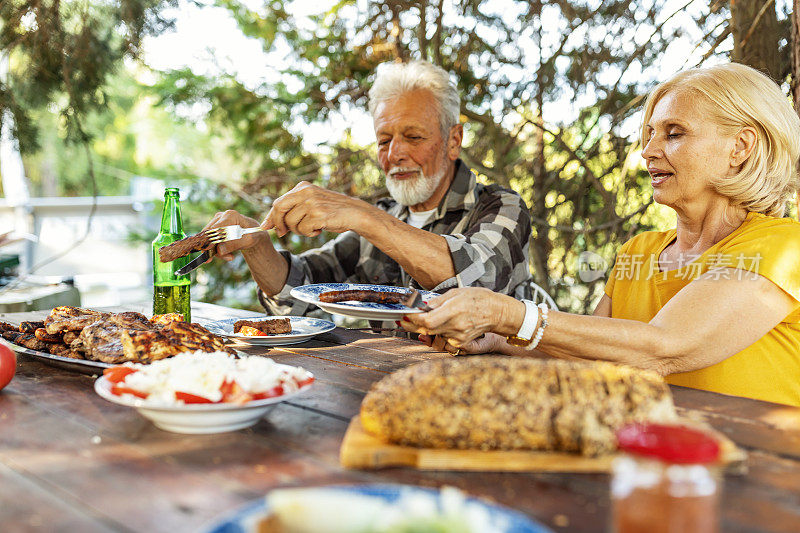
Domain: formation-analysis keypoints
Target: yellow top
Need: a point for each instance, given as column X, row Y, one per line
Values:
column 767, row 370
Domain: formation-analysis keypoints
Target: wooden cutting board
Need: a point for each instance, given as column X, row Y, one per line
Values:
column 363, row 451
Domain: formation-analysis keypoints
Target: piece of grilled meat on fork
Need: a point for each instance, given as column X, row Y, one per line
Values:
column 184, row 247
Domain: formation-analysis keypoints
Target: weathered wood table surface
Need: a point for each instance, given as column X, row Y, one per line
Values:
column 71, row 461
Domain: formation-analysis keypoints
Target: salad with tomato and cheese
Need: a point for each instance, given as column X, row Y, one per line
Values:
column 200, row 377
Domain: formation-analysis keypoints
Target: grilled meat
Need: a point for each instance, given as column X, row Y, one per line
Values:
column 273, row 326
column 184, row 247
column 363, row 295
column 43, row 336
column 503, row 403
column 72, row 323
column 172, row 339
column 31, row 327
column 101, row 340
column 10, row 334
column 166, row 318
column 63, row 350
column 80, row 333
column 25, row 340
column 68, row 311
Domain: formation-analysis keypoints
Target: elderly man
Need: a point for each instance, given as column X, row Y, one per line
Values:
column 440, row 229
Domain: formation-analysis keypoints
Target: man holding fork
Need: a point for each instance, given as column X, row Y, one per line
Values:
column 440, row 229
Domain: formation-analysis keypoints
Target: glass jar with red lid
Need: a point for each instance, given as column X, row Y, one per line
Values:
column 665, row 480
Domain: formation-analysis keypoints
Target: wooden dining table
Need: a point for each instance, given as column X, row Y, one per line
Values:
column 72, row 461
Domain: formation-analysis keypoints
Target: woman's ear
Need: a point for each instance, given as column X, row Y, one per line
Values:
column 745, row 144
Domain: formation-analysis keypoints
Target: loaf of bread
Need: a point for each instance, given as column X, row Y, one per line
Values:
column 503, row 403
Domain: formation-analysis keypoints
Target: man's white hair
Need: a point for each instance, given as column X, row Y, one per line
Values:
column 394, row 79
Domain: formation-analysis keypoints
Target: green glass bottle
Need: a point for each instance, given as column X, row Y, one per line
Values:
column 170, row 291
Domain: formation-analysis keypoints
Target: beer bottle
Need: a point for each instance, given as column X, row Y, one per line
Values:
column 170, row 291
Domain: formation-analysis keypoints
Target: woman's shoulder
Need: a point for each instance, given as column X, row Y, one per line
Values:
column 767, row 230
column 647, row 241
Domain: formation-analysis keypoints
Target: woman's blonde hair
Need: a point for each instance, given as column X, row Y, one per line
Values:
column 737, row 96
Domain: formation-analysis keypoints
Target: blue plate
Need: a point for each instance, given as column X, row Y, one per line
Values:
column 303, row 328
column 368, row 310
column 498, row 519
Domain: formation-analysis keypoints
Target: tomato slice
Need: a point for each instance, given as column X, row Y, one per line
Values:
column 269, row 393
column 309, row 380
column 116, row 374
column 233, row 393
column 191, row 398
column 119, row 391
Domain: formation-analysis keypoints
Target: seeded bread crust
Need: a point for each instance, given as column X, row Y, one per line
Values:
column 501, row 403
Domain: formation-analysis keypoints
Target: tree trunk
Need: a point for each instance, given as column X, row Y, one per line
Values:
column 756, row 34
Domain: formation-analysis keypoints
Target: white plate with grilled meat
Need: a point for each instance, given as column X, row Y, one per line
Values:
column 89, row 341
column 303, row 329
column 67, row 363
column 360, row 309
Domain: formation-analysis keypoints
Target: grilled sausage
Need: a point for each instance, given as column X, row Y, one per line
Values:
column 363, row 295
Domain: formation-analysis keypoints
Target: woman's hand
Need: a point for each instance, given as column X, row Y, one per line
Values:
column 462, row 315
column 488, row 343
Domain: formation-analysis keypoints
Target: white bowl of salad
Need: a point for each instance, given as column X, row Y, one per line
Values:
column 203, row 392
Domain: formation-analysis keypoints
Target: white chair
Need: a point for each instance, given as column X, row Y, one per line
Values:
column 539, row 295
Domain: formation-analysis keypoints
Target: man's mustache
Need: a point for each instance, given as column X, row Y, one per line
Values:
column 402, row 170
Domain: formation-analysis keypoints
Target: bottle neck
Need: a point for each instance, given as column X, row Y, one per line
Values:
column 171, row 221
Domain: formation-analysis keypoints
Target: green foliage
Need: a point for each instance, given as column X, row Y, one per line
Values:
column 577, row 168
column 584, row 187
column 61, row 53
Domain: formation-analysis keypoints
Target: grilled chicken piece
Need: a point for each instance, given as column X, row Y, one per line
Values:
column 66, row 311
column 508, row 403
column 31, row 327
column 55, row 326
column 166, row 318
column 172, row 339
column 101, row 340
column 184, row 247
column 69, row 337
column 43, row 336
column 63, row 350
column 25, row 340
column 10, row 334
column 273, row 326
column 67, row 352
column 5, row 326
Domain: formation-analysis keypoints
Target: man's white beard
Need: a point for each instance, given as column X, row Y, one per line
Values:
column 413, row 191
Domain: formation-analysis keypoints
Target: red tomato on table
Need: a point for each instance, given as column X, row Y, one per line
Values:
column 8, row 364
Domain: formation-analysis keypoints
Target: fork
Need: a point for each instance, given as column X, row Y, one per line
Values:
column 230, row 233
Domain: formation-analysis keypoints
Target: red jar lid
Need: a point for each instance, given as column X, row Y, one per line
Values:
column 671, row 444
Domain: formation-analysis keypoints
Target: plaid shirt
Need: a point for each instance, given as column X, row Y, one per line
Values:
column 487, row 229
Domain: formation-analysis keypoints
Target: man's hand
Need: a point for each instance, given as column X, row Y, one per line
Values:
column 228, row 218
column 308, row 210
column 268, row 268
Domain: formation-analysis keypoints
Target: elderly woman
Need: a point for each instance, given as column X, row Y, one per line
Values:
column 713, row 304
